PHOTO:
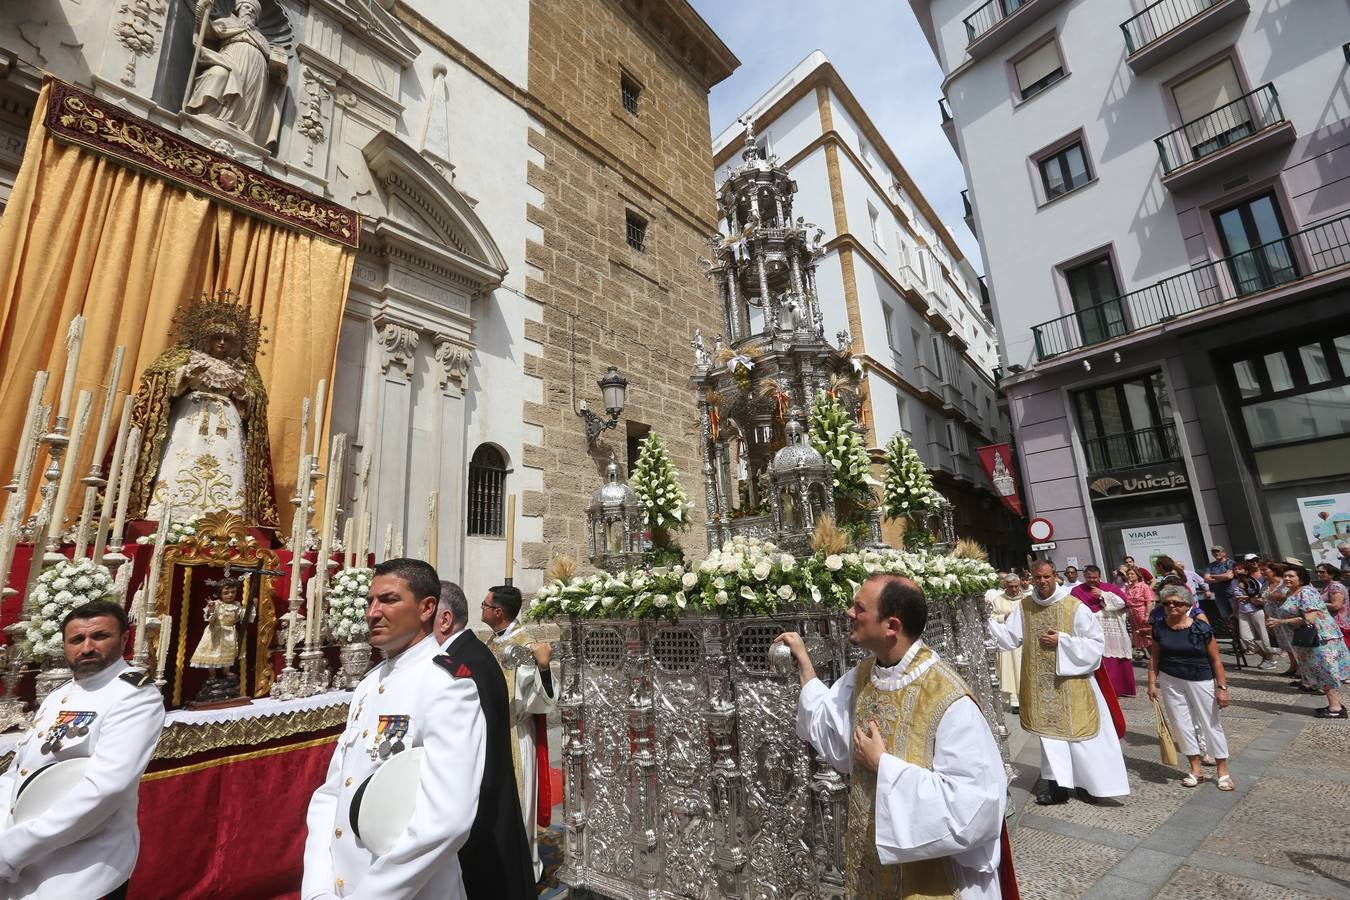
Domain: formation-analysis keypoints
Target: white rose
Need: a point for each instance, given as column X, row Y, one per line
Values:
column 833, row 562
column 660, row 601
column 729, row 565
column 689, row 580
column 762, row 570
column 721, row 598
column 61, row 583
column 708, row 566
column 785, row 592
column 787, row 562
column 719, row 583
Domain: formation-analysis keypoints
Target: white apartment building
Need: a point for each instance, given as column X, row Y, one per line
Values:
column 894, row 279
column 1160, row 190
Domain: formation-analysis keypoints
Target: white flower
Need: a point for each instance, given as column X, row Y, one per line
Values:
column 747, row 593
column 60, row 583
column 660, row 601
column 689, row 580
column 721, row 598
column 719, row 583
column 785, row 592
column 787, row 562
column 762, row 570
column 833, row 562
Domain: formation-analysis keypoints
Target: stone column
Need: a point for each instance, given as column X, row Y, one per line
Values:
column 453, row 360
column 398, row 345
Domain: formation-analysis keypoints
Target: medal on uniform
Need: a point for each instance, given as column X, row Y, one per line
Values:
column 69, row 723
column 389, row 734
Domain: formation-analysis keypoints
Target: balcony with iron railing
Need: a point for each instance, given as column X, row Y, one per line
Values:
column 969, row 211
column 1235, row 132
column 1131, row 449
column 997, row 21
column 1168, row 26
column 948, row 124
column 1293, row 258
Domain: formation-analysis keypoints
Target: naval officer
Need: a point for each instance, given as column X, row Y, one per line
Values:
column 84, row 845
column 412, row 699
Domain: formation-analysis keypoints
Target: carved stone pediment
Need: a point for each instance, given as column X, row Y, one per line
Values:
column 426, row 216
column 374, row 24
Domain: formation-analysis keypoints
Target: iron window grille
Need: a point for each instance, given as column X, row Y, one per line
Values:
column 487, row 491
column 629, row 92
column 635, row 228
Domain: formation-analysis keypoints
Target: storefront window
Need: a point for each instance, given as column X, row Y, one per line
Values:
column 1248, row 385
column 1317, row 414
column 1314, row 363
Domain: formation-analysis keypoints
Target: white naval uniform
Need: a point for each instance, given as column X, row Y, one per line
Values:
column 954, row 810
column 528, row 700
column 86, row 845
column 1096, row 764
column 444, row 717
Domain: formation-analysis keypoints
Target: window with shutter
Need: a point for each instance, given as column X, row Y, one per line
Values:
column 1212, row 109
column 1039, row 69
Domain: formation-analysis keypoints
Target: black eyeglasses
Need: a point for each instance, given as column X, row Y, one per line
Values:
column 487, row 605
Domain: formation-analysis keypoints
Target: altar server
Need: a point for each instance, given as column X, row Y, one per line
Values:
column 495, row 860
column 85, row 844
column 412, row 699
column 530, row 685
column 1061, row 701
column 927, row 787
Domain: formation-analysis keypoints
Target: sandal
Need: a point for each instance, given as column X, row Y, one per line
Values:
column 1193, row 780
column 1225, row 782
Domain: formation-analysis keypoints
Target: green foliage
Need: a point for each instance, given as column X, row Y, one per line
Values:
column 909, row 488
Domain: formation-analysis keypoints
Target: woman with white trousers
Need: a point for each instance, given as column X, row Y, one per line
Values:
column 1184, row 670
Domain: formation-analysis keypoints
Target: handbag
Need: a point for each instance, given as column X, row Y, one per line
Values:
column 1166, row 745
column 1305, row 636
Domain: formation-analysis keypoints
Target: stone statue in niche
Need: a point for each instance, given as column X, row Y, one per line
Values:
column 239, row 77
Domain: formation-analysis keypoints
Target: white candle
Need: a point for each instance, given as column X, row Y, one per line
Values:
column 318, row 583
column 124, row 489
column 101, row 443
column 362, row 517
column 348, row 557
column 74, row 339
column 32, row 430
column 72, row 455
column 86, row 519
column 388, row 541
column 165, row 629
column 110, row 492
column 433, row 517
column 363, row 536
column 320, row 408
column 150, row 590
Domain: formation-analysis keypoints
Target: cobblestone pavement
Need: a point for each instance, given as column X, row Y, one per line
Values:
column 1283, row 833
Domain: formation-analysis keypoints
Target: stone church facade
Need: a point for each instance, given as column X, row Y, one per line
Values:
column 496, row 167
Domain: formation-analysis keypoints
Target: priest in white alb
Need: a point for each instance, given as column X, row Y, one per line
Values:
column 533, row 692
column 927, row 787
column 1061, row 701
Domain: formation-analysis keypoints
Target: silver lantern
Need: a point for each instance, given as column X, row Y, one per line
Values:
column 614, row 523
column 803, row 489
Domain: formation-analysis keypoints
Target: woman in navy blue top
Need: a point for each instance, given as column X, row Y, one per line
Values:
column 1185, row 672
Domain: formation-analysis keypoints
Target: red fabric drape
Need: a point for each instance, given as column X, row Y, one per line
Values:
column 1007, row 877
column 1109, row 695
column 234, row 830
column 542, row 774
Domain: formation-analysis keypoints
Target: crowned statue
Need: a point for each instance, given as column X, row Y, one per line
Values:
column 202, row 410
column 234, row 84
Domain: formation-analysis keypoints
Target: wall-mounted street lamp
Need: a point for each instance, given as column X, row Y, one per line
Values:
column 614, row 391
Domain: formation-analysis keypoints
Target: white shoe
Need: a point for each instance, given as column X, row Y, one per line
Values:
column 1266, row 664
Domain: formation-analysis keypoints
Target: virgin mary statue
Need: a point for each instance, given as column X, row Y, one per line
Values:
column 202, row 410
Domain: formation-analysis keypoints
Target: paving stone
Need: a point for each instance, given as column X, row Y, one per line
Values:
column 1293, row 823
column 1189, row 883
column 1320, row 745
column 1056, row 866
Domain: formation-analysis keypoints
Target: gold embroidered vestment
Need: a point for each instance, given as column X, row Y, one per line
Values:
column 908, row 721
column 1053, row 705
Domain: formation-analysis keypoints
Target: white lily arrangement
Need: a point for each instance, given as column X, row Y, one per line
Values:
column 657, row 484
column 908, row 486
column 835, row 437
column 60, row 589
column 748, row 576
column 348, row 593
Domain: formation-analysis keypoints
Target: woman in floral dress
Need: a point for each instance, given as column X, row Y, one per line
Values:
column 1325, row 666
column 1139, row 599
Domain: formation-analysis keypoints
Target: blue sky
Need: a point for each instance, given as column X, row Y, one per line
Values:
column 881, row 54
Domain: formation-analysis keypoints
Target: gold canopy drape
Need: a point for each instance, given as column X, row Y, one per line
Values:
column 86, row 234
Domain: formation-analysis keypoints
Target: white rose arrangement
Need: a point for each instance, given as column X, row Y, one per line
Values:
column 58, row 590
column 178, row 531
column 348, row 593
column 748, row 576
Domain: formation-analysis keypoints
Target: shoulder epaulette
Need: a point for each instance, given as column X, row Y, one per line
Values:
column 136, row 678
column 456, row 669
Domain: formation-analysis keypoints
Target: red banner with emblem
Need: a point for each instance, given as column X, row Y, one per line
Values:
column 997, row 462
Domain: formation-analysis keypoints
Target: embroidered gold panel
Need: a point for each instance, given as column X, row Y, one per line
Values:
column 1053, row 705
column 908, row 720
